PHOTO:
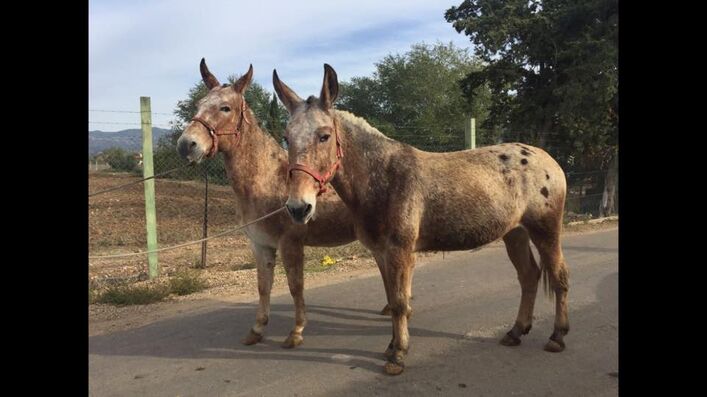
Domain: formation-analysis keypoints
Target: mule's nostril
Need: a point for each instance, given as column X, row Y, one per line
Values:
column 185, row 147
column 299, row 213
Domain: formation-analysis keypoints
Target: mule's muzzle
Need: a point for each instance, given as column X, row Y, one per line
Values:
column 189, row 149
column 300, row 211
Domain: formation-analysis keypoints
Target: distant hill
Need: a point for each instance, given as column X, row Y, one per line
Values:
column 126, row 139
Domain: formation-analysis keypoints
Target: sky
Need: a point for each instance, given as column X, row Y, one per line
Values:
column 153, row 48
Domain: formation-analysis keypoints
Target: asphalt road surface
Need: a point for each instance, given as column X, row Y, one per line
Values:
column 464, row 303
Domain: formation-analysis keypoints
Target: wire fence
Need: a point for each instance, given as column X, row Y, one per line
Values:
column 117, row 218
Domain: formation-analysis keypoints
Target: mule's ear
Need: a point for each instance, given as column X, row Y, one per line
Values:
column 242, row 84
column 208, row 78
column 285, row 93
column 330, row 88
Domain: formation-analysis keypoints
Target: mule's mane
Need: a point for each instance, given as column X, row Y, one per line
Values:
column 358, row 123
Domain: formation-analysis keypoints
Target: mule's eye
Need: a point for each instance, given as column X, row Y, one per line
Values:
column 225, row 109
column 324, row 138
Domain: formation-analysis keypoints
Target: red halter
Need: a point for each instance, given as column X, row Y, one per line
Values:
column 214, row 133
column 322, row 179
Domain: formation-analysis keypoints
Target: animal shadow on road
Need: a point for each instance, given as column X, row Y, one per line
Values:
column 216, row 334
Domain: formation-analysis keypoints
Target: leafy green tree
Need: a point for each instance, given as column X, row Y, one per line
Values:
column 552, row 67
column 416, row 98
column 120, row 160
column 276, row 119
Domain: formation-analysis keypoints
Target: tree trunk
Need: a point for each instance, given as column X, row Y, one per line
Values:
column 606, row 207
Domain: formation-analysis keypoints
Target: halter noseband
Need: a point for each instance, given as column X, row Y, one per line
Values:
column 322, row 179
column 214, row 132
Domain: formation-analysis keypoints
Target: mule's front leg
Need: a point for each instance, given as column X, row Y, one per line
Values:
column 399, row 263
column 380, row 261
column 386, row 310
column 293, row 259
column 265, row 262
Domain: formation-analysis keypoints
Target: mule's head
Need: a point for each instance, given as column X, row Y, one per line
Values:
column 313, row 144
column 219, row 112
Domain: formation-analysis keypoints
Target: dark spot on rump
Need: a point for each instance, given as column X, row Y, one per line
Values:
column 524, row 152
column 544, row 191
column 525, row 149
column 503, row 157
column 547, row 176
column 524, row 161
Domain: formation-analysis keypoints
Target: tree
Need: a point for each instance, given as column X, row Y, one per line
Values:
column 416, row 96
column 120, row 160
column 552, row 67
column 276, row 119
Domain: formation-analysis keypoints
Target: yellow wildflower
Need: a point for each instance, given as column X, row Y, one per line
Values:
column 328, row 261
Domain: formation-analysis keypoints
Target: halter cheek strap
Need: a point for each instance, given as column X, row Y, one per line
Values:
column 322, row 179
column 215, row 134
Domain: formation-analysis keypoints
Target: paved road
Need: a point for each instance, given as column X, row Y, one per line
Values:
column 463, row 304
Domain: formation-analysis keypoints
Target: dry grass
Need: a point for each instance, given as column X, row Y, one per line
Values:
column 186, row 282
column 123, row 295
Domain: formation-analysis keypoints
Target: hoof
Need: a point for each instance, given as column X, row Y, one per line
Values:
column 252, row 338
column 292, row 341
column 554, row 346
column 386, row 311
column 394, row 368
column 510, row 340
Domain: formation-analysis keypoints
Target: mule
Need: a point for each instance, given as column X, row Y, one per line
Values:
column 405, row 200
column 256, row 166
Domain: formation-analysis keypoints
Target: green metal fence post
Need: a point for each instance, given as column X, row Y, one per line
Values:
column 148, row 171
column 470, row 134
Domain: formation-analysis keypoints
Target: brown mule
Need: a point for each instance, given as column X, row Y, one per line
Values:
column 257, row 168
column 405, row 200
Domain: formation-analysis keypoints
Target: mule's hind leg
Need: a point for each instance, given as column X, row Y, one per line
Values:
column 518, row 246
column 265, row 261
column 293, row 259
column 554, row 268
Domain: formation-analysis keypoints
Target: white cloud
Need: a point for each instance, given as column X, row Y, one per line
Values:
column 154, row 49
